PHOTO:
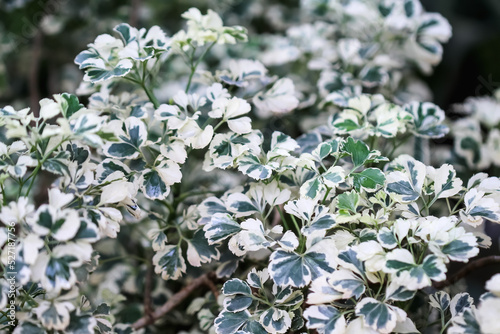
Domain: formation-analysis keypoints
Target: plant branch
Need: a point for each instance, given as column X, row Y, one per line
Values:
column 173, row 301
column 195, row 65
column 470, row 267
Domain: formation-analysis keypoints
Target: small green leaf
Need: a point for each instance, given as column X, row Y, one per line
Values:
column 358, row 151
column 348, row 201
column 291, row 268
column 236, row 286
column 69, row 104
column 370, row 179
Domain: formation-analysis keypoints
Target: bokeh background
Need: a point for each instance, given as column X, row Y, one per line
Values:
column 40, row 38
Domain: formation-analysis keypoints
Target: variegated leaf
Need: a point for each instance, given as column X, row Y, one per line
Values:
column 346, row 282
column 396, row 292
column 462, row 248
column 460, row 303
column 250, row 238
column 199, row 251
column 239, row 295
column 413, row 276
column 322, row 221
column 241, row 205
column 169, row 262
column 349, row 259
column 275, row 320
column 278, row 99
column 325, row 319
column 251, row 165
column 313, row 188
column 406, row 185
column 220, row 227
column 291, row 268
column 371, row 179
column 229, row 322
column 427, row 119
column 378, row 315
column 440, row 300
column 358, row 151
column 348, row 201
column 446, row 184
column 131, row 140
column 479, row 207
column 387, row 238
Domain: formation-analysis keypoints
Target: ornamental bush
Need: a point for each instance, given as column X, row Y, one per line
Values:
column 171, row 204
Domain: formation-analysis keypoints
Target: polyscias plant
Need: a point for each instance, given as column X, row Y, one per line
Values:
column 331, row 231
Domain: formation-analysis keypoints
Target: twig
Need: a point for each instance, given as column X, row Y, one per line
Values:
column 471, row 266
column 173, row 301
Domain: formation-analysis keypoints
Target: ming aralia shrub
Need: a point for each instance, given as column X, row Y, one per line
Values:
column 187, row 214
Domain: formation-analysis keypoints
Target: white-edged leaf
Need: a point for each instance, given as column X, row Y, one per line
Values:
column 325, row 319
column 446, row 184
column 275, row 320
column 459, row 303
column 378, row 315
column 291, row 268
column 321, row 291
column 200, row 251
column 278, row 99
column 229, row 323
column 251, row 165
column 250, row 238
column 169, row 262
column 241, row 205
column 406, row 185
column 440, row 300
column 347, row 283
column 427, row 119
column 370, row 179
column 131, row 140
column 401, row 263
column 239, row 295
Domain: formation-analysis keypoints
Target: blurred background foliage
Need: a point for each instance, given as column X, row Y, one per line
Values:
column 40, row 38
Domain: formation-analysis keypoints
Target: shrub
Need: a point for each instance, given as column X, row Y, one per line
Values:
column 153, row 208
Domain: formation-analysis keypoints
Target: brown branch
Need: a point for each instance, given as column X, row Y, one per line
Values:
column 173, row 301
column 471, row 266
